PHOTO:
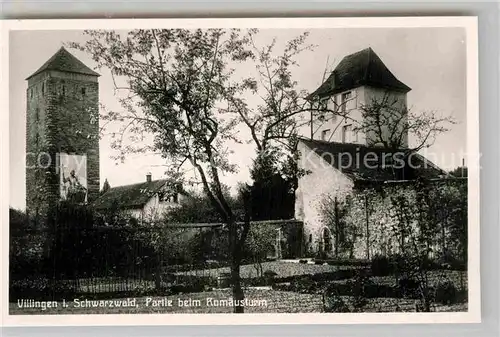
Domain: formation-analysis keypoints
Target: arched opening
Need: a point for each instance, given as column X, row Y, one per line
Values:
column 327, row 240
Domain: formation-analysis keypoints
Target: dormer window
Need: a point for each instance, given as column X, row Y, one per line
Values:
column 346, row 96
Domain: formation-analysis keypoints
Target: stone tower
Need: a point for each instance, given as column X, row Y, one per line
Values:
column 62, row 133
column 358, row 80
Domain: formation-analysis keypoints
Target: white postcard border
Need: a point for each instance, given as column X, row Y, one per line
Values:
column 474, row 302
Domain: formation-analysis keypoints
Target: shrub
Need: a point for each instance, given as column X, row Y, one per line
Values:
column 381, row 266
column 409, row 287
column 269, row 277
column 305, row 285
column 361, row 287
column 448, row 260
column 335, row 304
column 332, row 302
column 446, row 293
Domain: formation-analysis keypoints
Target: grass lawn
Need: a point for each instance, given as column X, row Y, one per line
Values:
column 283, row 269
column 263, row 300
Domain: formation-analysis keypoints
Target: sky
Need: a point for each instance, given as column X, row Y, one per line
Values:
column 431, row 61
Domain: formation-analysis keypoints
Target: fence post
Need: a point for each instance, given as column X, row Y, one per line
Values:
column 367, row 229
column 337, row 227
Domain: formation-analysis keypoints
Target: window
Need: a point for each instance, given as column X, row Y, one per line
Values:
column 83, row 91
column 347, row 134
column 346, row 96
column 325, row 135
column 323, row 103
column 43, row 89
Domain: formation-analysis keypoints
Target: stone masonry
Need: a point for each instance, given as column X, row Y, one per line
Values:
column 62, row 117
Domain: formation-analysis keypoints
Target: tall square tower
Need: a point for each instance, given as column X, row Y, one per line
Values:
column 62, row 133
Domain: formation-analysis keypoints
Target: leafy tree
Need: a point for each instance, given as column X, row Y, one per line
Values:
column 460, row 172
column 197, row 208
column 274, row 123
column 333, row 212
column 421, row 228
column 177, row 83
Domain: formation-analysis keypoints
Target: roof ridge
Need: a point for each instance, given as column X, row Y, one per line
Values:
column 363, row 67
column 139, row 183
column 64, row 61
column 368, row 63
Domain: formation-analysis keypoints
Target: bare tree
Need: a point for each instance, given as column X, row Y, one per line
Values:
column 388, row 122
column 283, row 107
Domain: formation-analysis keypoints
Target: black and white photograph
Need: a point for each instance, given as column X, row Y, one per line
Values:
column 187, row 169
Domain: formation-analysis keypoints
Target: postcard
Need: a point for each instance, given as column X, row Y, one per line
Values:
column 241, row 171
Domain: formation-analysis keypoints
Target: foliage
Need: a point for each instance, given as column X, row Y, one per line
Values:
column 381, row 266
column 197, row 208
column 333, row 211
column 417, row 225
column 387, row 121
column 273, row 188
column 178, row 82
column 459, row 172
column 332, row 302
column 358, row 292
column 360, row 287
column 421, row 230
column 446, row 293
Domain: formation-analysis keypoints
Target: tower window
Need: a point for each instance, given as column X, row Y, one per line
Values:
column 83, row 91
column 346, row 96
column 64, row 90
column 37, row 114
column 323, row 103
column 325, row 135
column 43, row 89
column 347, row 135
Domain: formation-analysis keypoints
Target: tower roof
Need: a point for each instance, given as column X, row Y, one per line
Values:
column 64, row 61
column 361, row 68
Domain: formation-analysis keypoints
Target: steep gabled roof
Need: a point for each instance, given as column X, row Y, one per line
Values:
column 64, row 61
column 364, row 163
column 129, row 196
column 361, row 68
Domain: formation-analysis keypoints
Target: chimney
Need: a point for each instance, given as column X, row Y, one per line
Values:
column 148, row 177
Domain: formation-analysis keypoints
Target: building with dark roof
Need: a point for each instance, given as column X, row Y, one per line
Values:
column 64, row 61
column 146, row 201
column 339, row 161
column 358, row 80
column 62, row 133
